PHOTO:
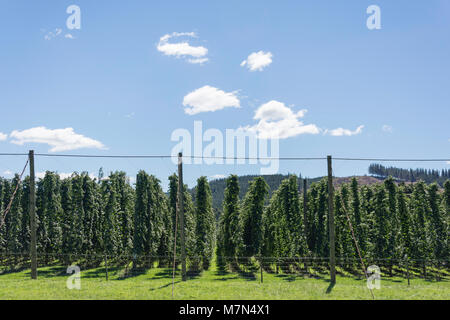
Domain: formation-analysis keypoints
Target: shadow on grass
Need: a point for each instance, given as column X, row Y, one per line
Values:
column 50, row 272
column 330, row 288
column 100, row 272
column 164, row 286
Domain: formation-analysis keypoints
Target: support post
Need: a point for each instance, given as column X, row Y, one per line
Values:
column 331, row 222
column 407, row 271
column 106, row 267
column 261, row 268
column 181, row 215
column 32, row 209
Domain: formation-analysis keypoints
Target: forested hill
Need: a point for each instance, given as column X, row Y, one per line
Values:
column 411, row 175
column 218, row 185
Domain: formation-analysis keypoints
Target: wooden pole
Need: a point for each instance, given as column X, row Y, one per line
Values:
column 407, row 271
column 331, row 222
column 32, row 209
column 181, row 215
column 106, row 267
column 261, row 268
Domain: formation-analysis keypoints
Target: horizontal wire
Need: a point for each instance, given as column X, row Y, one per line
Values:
column 226, row 158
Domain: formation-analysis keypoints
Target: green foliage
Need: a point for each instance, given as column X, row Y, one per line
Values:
column 205, row 223
column 412, row 175
column 79, row 215
column 228, row 236
column 251, row 218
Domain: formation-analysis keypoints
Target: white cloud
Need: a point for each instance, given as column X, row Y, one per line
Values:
column 276, row 120
column 59, row 139
column 257, row 61
column 339, row 132
column 3, row 136
column 62, row 175
column 207, row 98
column 198, row 60
column 52, row 34
column 7, row 172
column 448, row 162
column 68, row 36
column 195, row 55
column 217, row 176
column 386, row 128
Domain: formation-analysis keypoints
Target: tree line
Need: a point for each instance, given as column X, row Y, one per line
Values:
column 411, row 175
column 84, row 217
column 81, row 216
column 391, row 222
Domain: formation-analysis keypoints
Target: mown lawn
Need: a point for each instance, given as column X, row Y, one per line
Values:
column 157, row 284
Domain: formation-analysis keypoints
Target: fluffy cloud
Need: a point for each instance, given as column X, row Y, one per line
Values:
column 195, row 55
column 339, row 132
column 59, row 139
column 207, row 99
column 279, row 121
column 257, row 61
column 50, row 35
column 3, row 136
column 217, row 176
column 386, row 128
column 62, row 175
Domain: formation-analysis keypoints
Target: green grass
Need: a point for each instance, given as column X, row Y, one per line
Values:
column 157, row 284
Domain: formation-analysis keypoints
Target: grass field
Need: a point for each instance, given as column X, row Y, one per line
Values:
column 157, row 284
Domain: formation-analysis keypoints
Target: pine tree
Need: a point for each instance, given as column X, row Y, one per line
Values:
column 205, row 223
column 111, row 237
column 42, row 238
column 392, row 251
column 405, row 224
column 150, row 213
column 321, row 249
column 358, row 218
column 289, row 209
column 381, row 223
column 77, row 209
column 52, row 212
column 437, row 230
column 125, row 194
column 230, row 218
column 140, row 214
column 251, row 219
column 189, row 218
column 157, row 212
column 13, row 222
column 419, row 209
column 2, row 217
column 344, row 242
column 69, row 233
column 25, row 235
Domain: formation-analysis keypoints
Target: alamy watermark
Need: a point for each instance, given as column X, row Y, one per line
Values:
column 74, row 281
column 236, row 146
column 374, row 281
column 374, row 20
column 74, row 20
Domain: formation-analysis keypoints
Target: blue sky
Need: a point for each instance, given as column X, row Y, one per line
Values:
column 113, row 86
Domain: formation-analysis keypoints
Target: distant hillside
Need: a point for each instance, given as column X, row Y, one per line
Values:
column 410, row 175
column 274, row 181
